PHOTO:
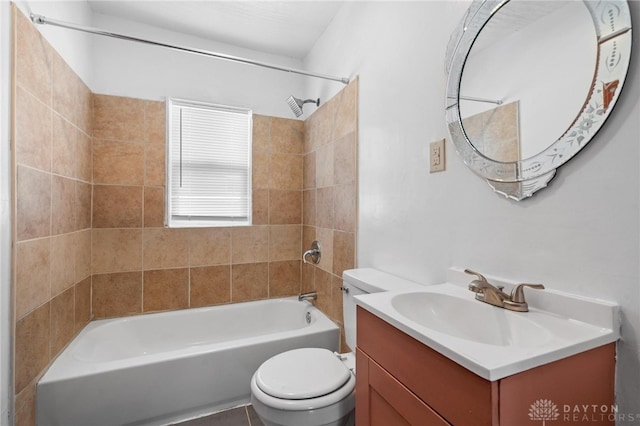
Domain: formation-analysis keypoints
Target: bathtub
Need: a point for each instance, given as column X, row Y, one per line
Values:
column 160, row 368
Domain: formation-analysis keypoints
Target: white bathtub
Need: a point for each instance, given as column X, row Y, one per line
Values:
column 160, row 368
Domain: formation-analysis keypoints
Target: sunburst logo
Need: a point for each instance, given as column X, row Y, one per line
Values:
column 545, row 410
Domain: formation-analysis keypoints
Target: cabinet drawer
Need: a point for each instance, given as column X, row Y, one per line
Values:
column 456, row 394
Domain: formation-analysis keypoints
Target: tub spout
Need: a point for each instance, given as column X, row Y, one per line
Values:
column 312, row 295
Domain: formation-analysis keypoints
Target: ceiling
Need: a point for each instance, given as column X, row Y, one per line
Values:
column 288, row 28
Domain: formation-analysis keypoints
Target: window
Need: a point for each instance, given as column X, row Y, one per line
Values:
column 208, row 165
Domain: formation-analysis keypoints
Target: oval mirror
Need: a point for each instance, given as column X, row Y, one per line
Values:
column 530, row 83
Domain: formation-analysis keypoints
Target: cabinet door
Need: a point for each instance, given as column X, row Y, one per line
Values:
column 381, row 400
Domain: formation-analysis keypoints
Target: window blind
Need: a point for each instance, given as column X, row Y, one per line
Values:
column 208, row 165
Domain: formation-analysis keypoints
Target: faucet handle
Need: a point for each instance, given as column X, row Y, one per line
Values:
column 517, row 294
column 480, row 276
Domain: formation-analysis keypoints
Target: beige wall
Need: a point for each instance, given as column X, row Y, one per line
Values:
column 52, row 209
column 89, row 240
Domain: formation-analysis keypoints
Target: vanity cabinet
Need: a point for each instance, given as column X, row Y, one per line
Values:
column 401, row 381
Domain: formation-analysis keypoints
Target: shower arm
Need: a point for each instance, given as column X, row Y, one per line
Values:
column 43, row 20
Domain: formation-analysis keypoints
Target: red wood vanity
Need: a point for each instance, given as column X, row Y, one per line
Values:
column 400, row 381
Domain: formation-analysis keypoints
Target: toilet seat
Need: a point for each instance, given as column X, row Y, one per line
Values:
column 302, row 374
column 289, row 377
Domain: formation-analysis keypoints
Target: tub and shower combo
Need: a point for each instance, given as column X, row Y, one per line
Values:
column 161, row 368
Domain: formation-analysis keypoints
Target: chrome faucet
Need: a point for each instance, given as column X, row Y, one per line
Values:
column 314, row 253
column 312, row 295
column 493, row 295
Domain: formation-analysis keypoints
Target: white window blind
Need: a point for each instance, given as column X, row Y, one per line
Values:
column 208, row 165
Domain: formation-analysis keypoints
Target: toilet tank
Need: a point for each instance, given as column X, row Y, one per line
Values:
column 364, row 281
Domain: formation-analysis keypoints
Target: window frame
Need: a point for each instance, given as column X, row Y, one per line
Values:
column 169, row 220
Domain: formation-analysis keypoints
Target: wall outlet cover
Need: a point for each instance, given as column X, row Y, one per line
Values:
column 436, row 156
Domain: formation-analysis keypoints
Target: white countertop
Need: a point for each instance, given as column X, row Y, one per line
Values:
column 566, row 325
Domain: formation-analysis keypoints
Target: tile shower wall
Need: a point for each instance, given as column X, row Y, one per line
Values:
column 330, row 197
column 52, row 209
column 139, row 266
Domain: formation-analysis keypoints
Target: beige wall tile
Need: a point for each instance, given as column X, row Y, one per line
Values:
column 261, row 133
column 118, row 163
column 309, row 207
column 65, row 147
column 63, row 262
column 84, row 161
column 322, row 124
column 33, row 204
column 260, row 207
column 32, row 346
column 165, row 248
column 285, row 171
column 33, row 59
column 285, row 242
column 308, row 236
column 117, row 206
column 250, row 244
column 309, row 171
column 154, row 122
column 209, row 246
column 83, row 205
column 285, row 207
column 154, row 165
column 115, row 295
column 33, row 275
column 118, row 118
column 63, row 205
column 85, row 108
column 337, row 313
column 62, row 321
column 33, row 131
column 284, row 278
column 345, row 207
column 260, row 170
column 347, row 111
column 25, row 407
column 344, row 160
column 166, row 289
column 83, row 254
column 324, row 207
column 65, row 90
column 287, row 135
column 344, row 250
column 116, row 250
column 210, row 285
column 249, row 281
column 308, row 282
column 323, row 288
column 82, row 303
column 324, row 166
column 153, row 207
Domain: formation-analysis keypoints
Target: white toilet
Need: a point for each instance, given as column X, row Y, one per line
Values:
column 313, row 386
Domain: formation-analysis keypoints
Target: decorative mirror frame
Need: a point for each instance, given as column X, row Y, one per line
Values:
column 520, row 179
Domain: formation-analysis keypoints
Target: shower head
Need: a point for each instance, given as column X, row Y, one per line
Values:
column 296, row 104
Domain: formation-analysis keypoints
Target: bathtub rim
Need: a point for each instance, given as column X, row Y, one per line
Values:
column 68, row 367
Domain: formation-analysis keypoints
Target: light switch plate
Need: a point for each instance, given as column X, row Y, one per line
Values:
column 436, row 156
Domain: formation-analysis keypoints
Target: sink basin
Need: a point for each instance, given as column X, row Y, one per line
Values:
column 469, row 319
column 491, row 341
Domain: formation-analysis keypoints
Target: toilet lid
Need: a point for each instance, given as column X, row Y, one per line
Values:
column 302, row 374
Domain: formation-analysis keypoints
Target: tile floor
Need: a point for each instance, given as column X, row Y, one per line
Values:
column 241, row 416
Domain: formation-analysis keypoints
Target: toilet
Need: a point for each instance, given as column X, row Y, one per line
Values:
column 314, row 386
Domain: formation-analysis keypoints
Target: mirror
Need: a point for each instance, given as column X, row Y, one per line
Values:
column 530, row 83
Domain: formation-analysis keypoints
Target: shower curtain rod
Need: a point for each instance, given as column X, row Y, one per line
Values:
column 43, row 20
